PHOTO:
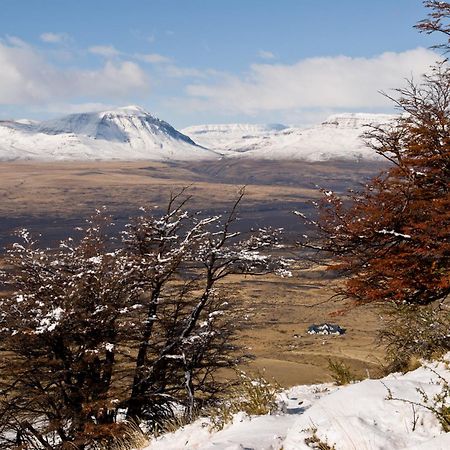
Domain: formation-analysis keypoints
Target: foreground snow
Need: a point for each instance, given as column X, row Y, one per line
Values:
column 357, row 416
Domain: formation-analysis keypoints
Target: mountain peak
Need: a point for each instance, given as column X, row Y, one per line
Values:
column 357, row 120
column 129, row 110
column 126, row 124
column 124, row 133
column 130, row 132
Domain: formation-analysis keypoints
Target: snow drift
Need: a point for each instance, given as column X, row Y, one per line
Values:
column 358, row 416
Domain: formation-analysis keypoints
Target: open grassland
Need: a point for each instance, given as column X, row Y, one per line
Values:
column 52, row 198
column 57, row 196
column 279, row 311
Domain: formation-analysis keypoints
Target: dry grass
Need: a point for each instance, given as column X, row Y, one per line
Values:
column 315, row 442
column 252, row 395
column 67, row 189
column 279, row 312
column 53, row 197
column 132, row 438
column 341, row 373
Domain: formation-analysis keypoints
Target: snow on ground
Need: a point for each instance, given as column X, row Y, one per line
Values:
column 339, row 137
column 354, row 417
column 131, row 133
column 128, row 133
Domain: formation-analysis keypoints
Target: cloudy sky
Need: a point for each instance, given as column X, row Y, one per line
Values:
column 208, row 61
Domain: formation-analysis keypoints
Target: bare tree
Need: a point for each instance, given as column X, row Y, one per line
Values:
column 437, row 21
column 107, row 327
column 164, row 254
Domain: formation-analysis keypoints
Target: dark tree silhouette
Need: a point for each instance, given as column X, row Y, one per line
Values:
column 109, row 327
column 437, row 21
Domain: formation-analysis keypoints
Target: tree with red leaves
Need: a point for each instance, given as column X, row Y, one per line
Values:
column 392, row 239
column 437, row 21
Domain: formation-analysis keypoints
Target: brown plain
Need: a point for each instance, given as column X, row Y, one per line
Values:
column 52, row 198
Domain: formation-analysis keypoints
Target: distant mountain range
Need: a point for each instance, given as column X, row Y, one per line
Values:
column 339, row 137
column 131, row 133
column 128, row 133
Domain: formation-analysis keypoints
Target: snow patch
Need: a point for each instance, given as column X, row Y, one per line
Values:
column 358, row 416
column 131, row 133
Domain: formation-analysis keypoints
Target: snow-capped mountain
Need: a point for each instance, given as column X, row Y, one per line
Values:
column 131, row 133
column 234, row 137
column 339, row 137
column 127, row 133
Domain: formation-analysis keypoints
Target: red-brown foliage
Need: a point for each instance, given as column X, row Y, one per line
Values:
column 437, row 21
column 392, row 239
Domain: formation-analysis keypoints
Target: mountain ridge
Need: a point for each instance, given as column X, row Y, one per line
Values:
column 126, row 133
column 132, row 133
column 338, row 137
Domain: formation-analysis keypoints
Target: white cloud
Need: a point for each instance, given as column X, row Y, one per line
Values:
column 184, row 72
column 71, row 108
column 54, row 38
column 153, row 58
column 339, row 82
column 15, row 41
column 168, row 68
column 108, row 51
column 266, row 54
column 27, row 77
column 113, row 80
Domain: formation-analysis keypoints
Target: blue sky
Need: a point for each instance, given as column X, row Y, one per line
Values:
column 197, row 61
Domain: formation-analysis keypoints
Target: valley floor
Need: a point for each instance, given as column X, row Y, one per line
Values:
column 52, row 198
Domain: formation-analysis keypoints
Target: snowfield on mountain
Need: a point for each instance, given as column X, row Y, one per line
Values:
column 128, row 133
column 339, row 137
column 131, row 133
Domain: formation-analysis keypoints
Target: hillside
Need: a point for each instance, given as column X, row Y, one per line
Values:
column 131, row 133
column 358, row 416
column 128, row 133
column 337, row 138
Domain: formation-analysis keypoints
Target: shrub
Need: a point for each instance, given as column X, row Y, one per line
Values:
column 110, row 325
column 252, row 395
column 411, row 333
column 340, row 372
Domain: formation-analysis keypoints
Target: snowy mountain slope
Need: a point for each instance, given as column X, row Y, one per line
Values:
column 122, row 134
column 357, row 416
column 131, row 133
column 235, row 137
column 339, row 137
column 127, row 124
